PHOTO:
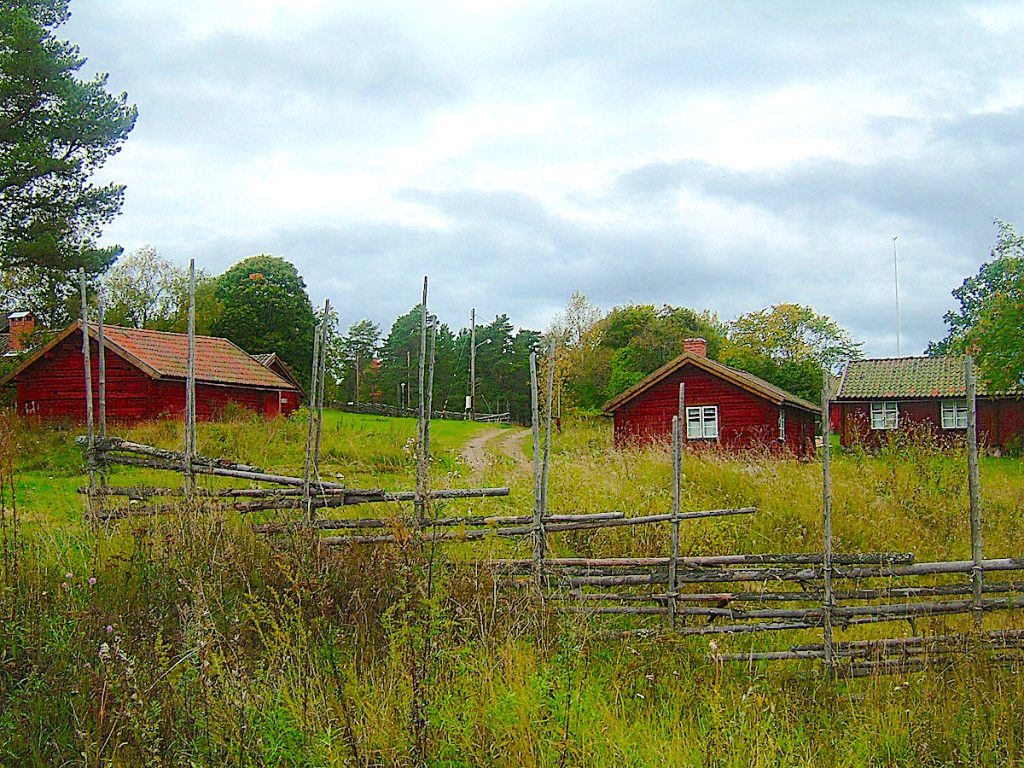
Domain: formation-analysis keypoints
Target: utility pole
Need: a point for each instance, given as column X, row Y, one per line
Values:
column 896, row 279
column 472, row 364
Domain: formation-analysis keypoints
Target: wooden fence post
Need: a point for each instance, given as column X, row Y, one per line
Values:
column 190, row 384
column 90, row 456
column 546, row 466
column 421, row 429
column 974, row 483
column 826, row 465
column 314, row 389
column 676, row 509
column 101, row 350
column 538, row 546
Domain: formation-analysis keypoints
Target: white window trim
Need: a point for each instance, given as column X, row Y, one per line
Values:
column 885, row 415
column 953, row 414
column 782, row 424
column 702, row 422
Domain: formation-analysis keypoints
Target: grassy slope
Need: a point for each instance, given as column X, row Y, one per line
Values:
column 222, row 648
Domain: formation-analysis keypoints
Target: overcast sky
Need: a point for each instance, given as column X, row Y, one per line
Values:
column 714, row 155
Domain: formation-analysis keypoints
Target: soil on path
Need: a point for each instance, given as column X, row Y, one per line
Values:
column 507, row 442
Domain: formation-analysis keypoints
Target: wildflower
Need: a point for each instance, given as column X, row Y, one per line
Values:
column 92, row 581
column 64, row 585
column 109, row 629
column 69, row 575
column 104, row 652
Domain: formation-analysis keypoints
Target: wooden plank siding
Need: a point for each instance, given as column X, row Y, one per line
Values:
column 745, row 420
column 1000, row 421
column 53, row 388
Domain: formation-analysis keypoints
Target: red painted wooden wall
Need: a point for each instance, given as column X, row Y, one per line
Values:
column 54, row 388
column 745, row 420
column 999, row 421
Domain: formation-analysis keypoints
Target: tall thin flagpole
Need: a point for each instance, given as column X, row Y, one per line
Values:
column 896, row 281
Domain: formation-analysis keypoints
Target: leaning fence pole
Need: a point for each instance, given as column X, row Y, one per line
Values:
column 320, row 392
column 826, row 472
column 101, row 354
column 676, row 509
column 90, row 459
column 314, row 389
column 190, row 384
column 974, row 483
column 421, row 467
column 426, row 505
column 538, row 547
column 546, row 466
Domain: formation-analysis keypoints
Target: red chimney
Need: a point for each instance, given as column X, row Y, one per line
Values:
column 697, row 347
column 23, row 325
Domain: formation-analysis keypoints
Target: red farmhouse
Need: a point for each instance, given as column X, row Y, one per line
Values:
column 875, row 397
column 289, row 400
column 724, row 406
column 145, row 373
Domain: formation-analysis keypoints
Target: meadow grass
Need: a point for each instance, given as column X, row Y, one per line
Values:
column 199, row 643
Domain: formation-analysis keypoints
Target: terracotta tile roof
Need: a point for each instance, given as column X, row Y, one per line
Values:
column 217, row 360
column 906, row 377
column 264, row 359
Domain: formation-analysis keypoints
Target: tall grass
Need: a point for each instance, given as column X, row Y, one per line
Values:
column 199, row 643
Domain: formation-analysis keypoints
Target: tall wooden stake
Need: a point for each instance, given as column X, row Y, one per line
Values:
column 421, row 466
column 677, row 447
column 426, row 424
column 90, row 434
column 538, row 543
column 314, row 390
column 102, row 355
column 974, row 486
column 546, row 468
column 190, row 384
column 324, row 325
column 472, row 364
column 826, row 471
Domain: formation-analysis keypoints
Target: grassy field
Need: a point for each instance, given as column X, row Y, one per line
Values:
column 188, row 640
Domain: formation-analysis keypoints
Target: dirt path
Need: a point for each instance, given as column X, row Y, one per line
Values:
column 507, row 442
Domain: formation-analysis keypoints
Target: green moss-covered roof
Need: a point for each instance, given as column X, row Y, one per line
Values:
column 906, row 377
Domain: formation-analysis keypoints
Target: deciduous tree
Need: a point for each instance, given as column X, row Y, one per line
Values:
column 989, row 320
column 265, row 308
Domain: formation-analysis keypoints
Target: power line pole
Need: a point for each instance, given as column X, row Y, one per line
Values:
column 896, row 280
column 472, row 364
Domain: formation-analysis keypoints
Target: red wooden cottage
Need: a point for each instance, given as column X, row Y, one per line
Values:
column 289, row 400
column 875, row 397
column 724, row 406
column 145, row 374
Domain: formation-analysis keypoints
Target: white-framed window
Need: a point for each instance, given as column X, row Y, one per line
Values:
column 954, row 414
column 782, row 424
column 885, row 415
column 702, row 422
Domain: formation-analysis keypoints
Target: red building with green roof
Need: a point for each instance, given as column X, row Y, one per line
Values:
column 875, row 397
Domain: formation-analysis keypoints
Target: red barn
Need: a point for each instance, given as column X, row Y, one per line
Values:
column 289, row 400
column 145, row 373
column 724, row 406
column 876, row 397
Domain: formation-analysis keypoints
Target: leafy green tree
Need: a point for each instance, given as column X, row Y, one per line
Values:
column 788, row 345
column 143, row 290
column 626, row 345
column 988, row 322
column 56, row 131
column 265, row 308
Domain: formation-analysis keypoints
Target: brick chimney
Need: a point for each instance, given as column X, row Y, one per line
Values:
column 23, row 325
column 697, row 347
